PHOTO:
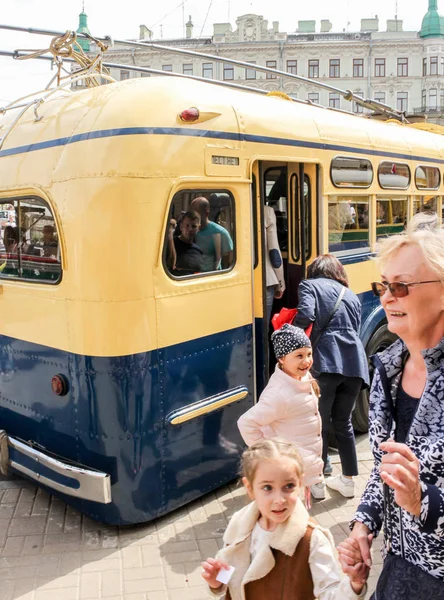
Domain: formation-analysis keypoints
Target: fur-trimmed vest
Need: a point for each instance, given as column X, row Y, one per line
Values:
column 280, row 570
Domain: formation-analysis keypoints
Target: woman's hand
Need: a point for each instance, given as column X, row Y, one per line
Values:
column 361, row 533
column 352, row 562
column 211, row 568
column 400, row 470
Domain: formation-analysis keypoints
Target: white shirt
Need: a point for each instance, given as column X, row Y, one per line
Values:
column 259, row 536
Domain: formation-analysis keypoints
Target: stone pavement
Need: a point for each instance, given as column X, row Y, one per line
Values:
column 48, row 551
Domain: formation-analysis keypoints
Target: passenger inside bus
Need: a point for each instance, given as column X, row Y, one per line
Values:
column 50, row 243
column 213, row 239
column 10, row 239
column 188, row 257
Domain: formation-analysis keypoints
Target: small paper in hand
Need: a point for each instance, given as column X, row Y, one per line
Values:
column 224, row 575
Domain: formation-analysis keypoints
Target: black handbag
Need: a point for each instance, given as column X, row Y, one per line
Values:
column 402, row 580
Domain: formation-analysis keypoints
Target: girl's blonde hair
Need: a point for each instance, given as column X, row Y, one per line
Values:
column 424, row 231
column 273, row 449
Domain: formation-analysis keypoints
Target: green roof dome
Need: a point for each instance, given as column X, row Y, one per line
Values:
column 83, row 28
column 432, row 23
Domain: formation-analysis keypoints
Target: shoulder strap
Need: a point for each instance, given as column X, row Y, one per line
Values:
column 330, row 316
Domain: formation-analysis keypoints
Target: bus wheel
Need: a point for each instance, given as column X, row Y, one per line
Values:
column 380, row 340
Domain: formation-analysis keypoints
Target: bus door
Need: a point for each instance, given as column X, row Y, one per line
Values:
column 302, row 225
column 205, row 339
column 277, row 184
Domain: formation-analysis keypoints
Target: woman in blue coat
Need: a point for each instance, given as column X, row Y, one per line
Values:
column 339, row 360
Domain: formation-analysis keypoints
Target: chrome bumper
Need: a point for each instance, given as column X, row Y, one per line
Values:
column 52, row 472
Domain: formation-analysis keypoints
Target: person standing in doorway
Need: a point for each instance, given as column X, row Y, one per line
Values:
column 274, row 268
column 339, row 360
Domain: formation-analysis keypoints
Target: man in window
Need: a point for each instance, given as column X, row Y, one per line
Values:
column 213, row 239
column 50, row 242
column 187, row 257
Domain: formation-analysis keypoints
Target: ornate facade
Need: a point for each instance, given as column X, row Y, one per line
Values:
column 404, row 69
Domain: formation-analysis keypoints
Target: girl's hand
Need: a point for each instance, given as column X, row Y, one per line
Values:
column 211, row 568
column 361, row 533
column 353, row 564
column 400, row 470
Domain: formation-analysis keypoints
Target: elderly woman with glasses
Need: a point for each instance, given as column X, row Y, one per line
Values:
column 405, row 491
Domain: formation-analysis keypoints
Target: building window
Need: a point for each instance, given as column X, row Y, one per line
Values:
column 357, row 108
column 424, row 99
column 271, row 64
column 207, row 70
column 380, row 97
column 334, row 100
column 187, row 69
column 433, row 65
column 313, row 69
column 433, row 99
column 424, row 67
column 313, row 97
column 335, row 67
column 403, row 67
column 441, row 97
column 379, row 67
column 442, row 65
column 358, row 67
column 124, row 75
column 30, row 248
column 168, row 68
column 292, row 67
column 228, row 72
column 143, row 74
column 187, row 251
column 250, row 73
column 402, row 101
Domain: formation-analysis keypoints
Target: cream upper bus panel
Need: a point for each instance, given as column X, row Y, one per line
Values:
column 29, row 153
column 139, row 133
column 119, row 113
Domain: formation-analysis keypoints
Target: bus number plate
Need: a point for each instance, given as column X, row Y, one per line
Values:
column 230, row 161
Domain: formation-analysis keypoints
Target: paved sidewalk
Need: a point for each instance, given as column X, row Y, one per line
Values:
column 48, row 551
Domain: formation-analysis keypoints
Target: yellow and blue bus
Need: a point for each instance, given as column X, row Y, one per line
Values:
column 122, row 375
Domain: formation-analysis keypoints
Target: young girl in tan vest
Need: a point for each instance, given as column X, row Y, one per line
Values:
column 278, row 552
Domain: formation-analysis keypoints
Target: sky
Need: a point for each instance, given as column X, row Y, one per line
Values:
column 166, row 19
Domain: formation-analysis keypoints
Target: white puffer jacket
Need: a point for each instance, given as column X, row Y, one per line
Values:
column 288, row 409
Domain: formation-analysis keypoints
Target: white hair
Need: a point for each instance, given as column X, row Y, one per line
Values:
column 424, row 231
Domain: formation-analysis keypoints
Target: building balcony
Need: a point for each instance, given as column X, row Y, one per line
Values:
column 429, row 110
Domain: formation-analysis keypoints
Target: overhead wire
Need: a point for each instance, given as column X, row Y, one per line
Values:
column 182, row 3
column 206, row 17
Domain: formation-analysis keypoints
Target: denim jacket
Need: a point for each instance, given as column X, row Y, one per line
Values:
column 337, row 347
column 420, row 540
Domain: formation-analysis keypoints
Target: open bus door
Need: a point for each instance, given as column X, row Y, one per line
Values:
column 303, row 246
column 277, row 184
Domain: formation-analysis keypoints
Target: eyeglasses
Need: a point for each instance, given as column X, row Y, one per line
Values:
column 398, row 289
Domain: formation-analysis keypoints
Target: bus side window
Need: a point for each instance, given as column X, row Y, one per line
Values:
column 425, row 204
column 29, row 246
column 200, row 233
column 391, row 215
column 348, row 224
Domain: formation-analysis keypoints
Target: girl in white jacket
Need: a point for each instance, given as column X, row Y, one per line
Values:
column 277, row 551
column 288, row 407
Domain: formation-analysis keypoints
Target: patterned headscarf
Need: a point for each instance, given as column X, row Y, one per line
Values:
column 289, row 338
